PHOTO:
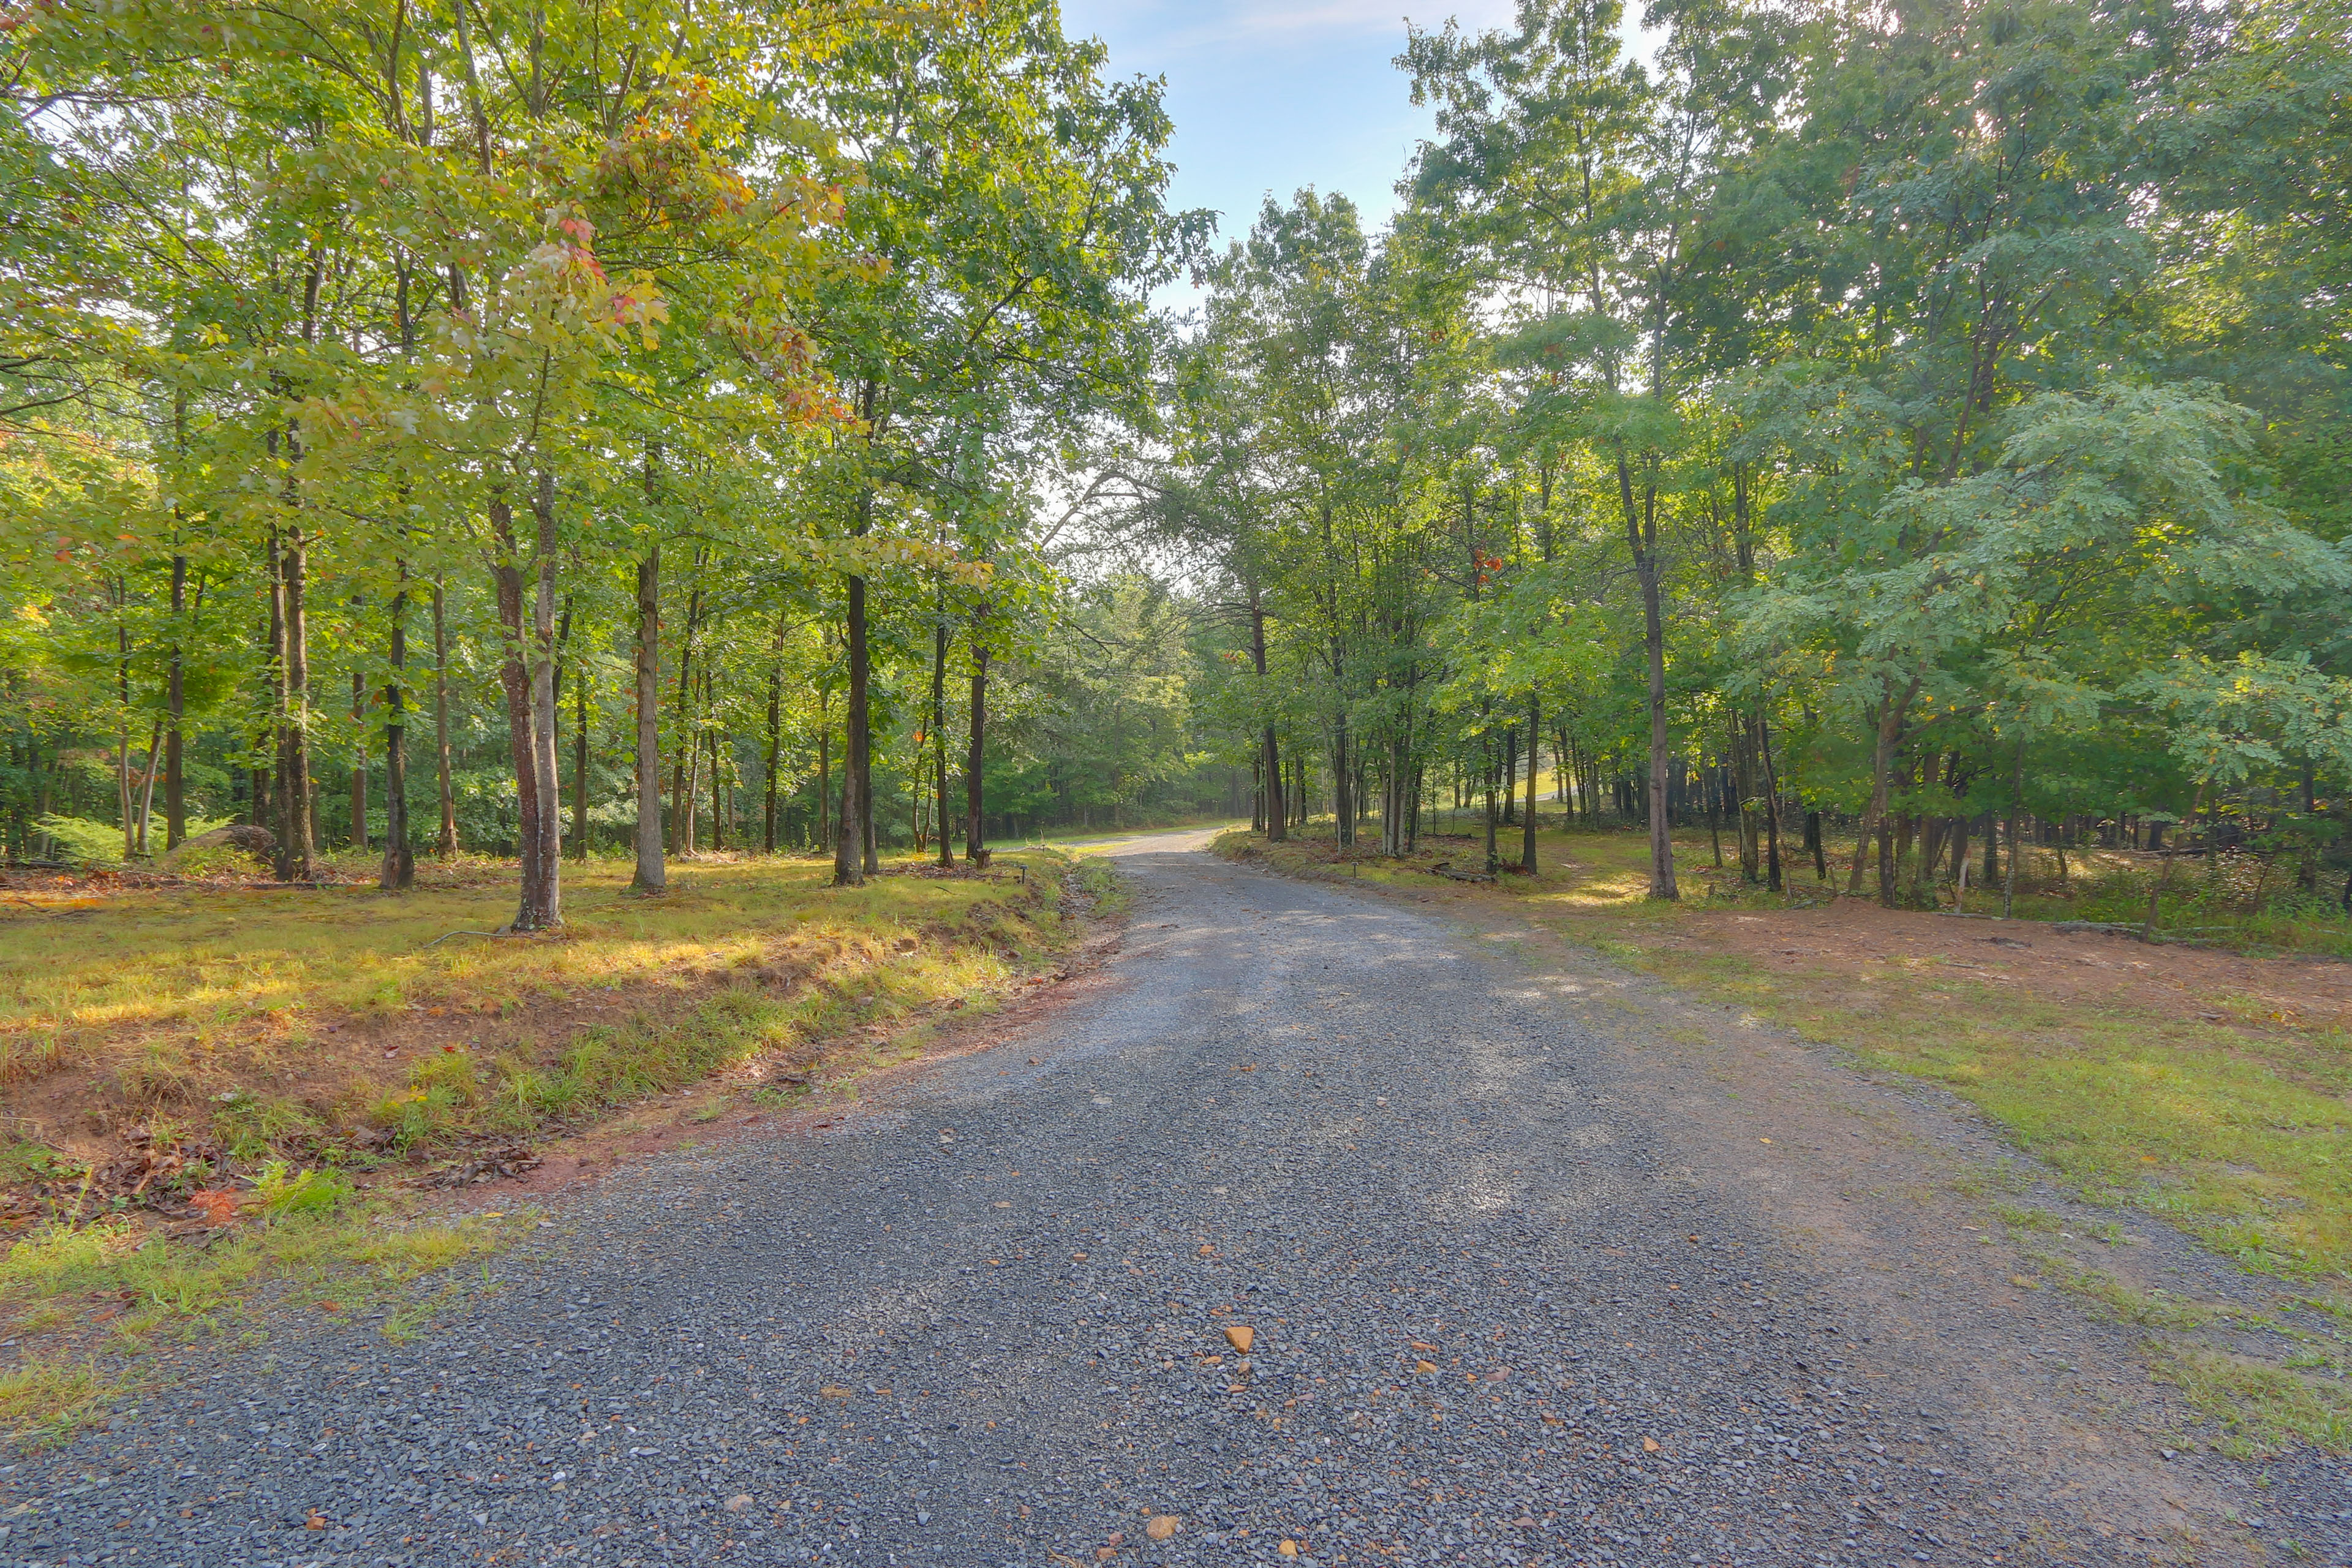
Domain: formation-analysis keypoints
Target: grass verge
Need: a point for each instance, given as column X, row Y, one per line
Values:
column 328, row 1056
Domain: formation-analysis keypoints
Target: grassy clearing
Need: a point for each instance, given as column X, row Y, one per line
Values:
column 322, row 1047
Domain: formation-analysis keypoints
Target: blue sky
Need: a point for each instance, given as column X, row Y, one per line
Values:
column 1270, row 95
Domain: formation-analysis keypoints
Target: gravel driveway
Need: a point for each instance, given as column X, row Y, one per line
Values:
column 1321, row 1233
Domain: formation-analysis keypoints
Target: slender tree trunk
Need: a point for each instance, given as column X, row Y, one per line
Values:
column 975, row 848
column 849, row 843
column 398, row 867
column 176, row 806
column 718, row 772
column 1892, row 712
column 515, row 676
column 775, row 738
column 297, row 853
column 1528, row 828
column 939, row 724
column 651, row 874
column 823, row 778
column 2016, row 808
column 687, row 761
column 1771, row 804
column 1641, row 536
column 359, row 760
column 580, row 763
column 542, row 902
column 1277, row 812
column 1490, row 766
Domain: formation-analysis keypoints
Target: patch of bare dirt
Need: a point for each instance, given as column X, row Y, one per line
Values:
column 2036, row 961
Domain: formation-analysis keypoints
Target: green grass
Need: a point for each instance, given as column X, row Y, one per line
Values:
column 182, row 1014
column 2259, row 1407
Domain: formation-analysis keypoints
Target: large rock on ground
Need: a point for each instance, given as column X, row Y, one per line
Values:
column 257, row 842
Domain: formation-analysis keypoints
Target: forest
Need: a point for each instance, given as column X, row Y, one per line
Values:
column 1886, row 435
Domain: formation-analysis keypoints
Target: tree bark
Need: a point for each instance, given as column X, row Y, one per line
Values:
column 1892, row 712
column 298, row 857
column 689, row 759
column 1641, row 537
column 775, row 737
column 1277, row 812
column 359, row 761
column 398, row 867
column 975, row 848
column 580, row 763
column 940, row 726
column 542, row 892
column 175, row 808
column 1528, row 828
column 849, row 841
column 445, row 844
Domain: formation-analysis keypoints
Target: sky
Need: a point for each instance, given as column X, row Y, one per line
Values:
column 1271, row 95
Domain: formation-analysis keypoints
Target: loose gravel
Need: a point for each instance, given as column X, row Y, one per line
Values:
column 999, row 1318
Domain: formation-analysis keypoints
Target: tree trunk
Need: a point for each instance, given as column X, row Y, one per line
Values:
column 688, row 760
column 359, row 762
column 940, row 727
column 2016, row 806
column 398, row 868
column 1771, row 804
column 175, row 806
column 850, row 842
column 1492, row 765
column 1892, row 712
column 651, row 874
column 1528, row 828
column 445, row 844
column 975, row 851
column 824, row 777
column 298, row 860
column 775, row 738
column 515, row 675
column 1277, row 810
column 1641, row 537
column 543, row 892
column 580, row 763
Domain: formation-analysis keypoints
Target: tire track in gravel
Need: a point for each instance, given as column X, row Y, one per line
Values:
column 1514, row 1297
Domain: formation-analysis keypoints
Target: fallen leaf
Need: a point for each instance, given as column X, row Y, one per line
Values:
column 1240, row 1336
column 1117, row 1538
column 1289, row 1548
column 1207, row 1249
column 218, row 1207
column 739, row 1502
column 1425, row 1366
column 1163, row 1526
column 1105, row 1554
column 1419, row 1346
column 833, row 1391
column 316, row 1521
column 1649, row 1445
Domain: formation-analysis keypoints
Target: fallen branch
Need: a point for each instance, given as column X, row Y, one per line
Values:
column 444, row 936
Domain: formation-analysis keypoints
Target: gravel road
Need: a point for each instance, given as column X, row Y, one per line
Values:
column 1319, row 1232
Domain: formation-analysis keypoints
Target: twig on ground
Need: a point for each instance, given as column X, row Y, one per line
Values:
column 444, row 936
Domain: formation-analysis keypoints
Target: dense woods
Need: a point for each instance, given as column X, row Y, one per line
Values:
column 1886, row 435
